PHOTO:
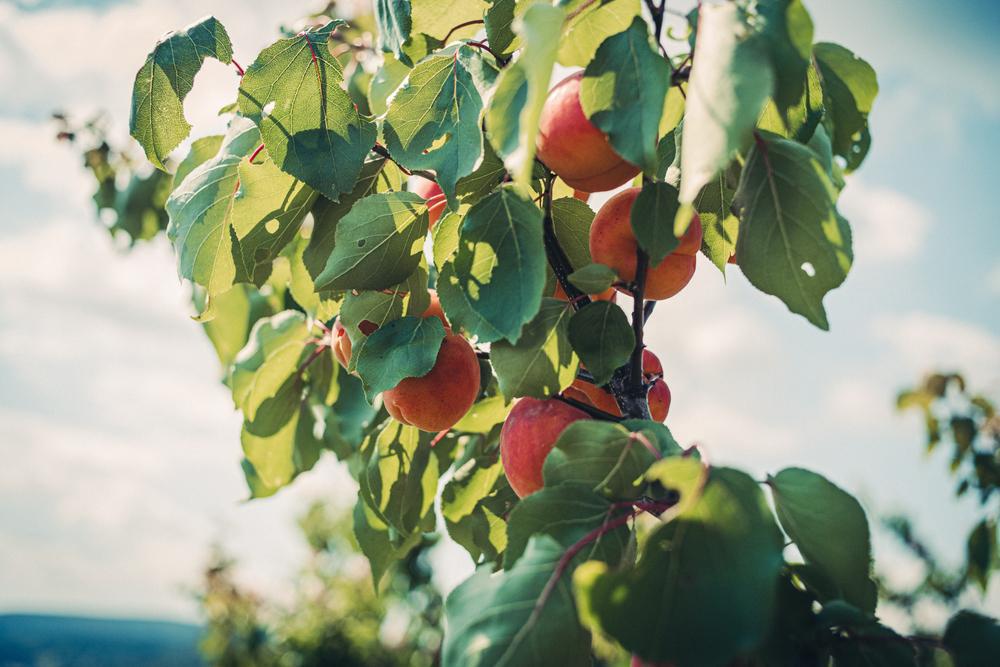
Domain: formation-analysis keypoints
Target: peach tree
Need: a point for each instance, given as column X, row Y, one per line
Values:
column 393, row 253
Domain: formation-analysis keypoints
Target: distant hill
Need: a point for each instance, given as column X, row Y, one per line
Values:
column 28, row 640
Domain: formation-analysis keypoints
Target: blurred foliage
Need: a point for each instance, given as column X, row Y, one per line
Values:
column 335, row 616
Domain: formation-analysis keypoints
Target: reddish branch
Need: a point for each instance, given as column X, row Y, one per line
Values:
column 460, row 26
column 237, row 66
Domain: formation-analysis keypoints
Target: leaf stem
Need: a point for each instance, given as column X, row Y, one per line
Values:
column 482, row 45
column 239, row 69
column 312, row 357
column 256, row 153
column 460, row 26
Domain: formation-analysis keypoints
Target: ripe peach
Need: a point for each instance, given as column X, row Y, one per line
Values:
column 607, row 295
column 527, row 437
column 432, row 194
column 613, row 243
column 602, row 399
column 437, row 400
column 342, row 342
column 570, row 145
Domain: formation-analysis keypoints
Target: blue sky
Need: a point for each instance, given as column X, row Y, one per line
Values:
column 122, row 448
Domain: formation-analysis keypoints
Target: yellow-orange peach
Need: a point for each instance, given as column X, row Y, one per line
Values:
column 437, row 400
column 432, row 194
column 602, row 399
column 342, row 342
column 528, row 435
column 613, row 243
column 607, row 295
column 570, row 145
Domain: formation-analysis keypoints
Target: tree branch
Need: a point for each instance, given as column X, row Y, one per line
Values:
column 554, row 252
column 596, row 413
column 460, row 26
column 384, row 152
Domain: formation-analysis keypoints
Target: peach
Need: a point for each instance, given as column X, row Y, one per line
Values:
column 437, row 400
column 602, row 399
column 527, row 437
column 607, row 295
column 570, row 145
column 342, row 342
column 613, row 243
column 432, row 194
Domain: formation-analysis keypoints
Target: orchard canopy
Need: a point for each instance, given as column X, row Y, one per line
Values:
column 392, row 251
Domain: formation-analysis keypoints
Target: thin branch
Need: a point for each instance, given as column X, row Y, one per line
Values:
column 312, row 357
column 482, row 45
column 557, row 257
column 460, row 26
column 638, row 315
column 384, row 152
column 596, row 413
column 239, row 69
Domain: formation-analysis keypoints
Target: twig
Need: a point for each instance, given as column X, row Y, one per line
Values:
column 482, row 45
column 557, row 257
column 384, row 152
column 638, row 315
column 460, row 26
column 312, row 357
column 596, row 413
column 239, row 69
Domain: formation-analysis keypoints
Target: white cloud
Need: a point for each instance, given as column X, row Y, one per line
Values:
column 887, row 225
column 925, row 341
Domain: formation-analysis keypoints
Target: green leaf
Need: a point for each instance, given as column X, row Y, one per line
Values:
column 683, row 475
column 327, row 215
column 565, row 513
column 392, row 17
column 605, row 456
column 593, row 278
column 384, row 83
column 714, row 569
column 230, row 218
column 571, row 220
column 476, row 500
column 793, row 244
column 623, row 91
column 403, row 348
column 601, row 335
column 498, row 19
column 830, row 529
column 492, row 286
column 981, row 553
column 849, row 88
column 275, row 457
column 652, row 219
column 513, row 115
column 379, row 543
column 720, row 227
column 400, row 477
column 374, row 309
column 659, row 435
column 594, row 24
column 492, row 620
column 730, row 82
column 484, row 415
column 377, row 244
column 436, row 18
column 542, row 362
column 313, row 132
column 272, row 356
column 202, row 149
column 788, row 34
column 972, row 639
column 434, row 118
column 864, row 641
column 236, row 313
column 157, row 119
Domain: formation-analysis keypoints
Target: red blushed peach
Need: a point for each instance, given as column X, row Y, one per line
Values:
column 613, row 243
column 570, row 145
column 527, row 437
column 342, row 342
column 602, row 399
column 432, row 194
column 437, row 400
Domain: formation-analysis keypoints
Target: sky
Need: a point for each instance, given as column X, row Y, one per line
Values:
column 121, row 447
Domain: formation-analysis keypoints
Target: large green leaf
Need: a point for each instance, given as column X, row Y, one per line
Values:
column 403, row 348
column 830, row 529
column 202, row 149
column 566, row 513
column 788, row 33
column 377, row 244
column 792, row 243
column 571, row 220
column 492, row 286
column 973, row 640
column 602, row 337
column 502, row 620
column 593, row 278
column 309, row 124
column 236, row 313
column 849, row 89
column 275, row 457
column 730, row 81
column 394, row 22
column 157, row 119
column 497, row 22
column 623, row 91
column 514, row 112
column 476, row 500
column 434, row 118
column 230, row 218
column 366, row 311
column 607, row 457
column 272, row 356
column 704, row 588
column 542, row 362
column 652, row 220
column 380, row 544
column 594, row 24
column 437, row 18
